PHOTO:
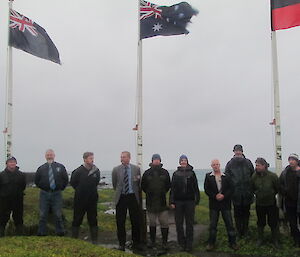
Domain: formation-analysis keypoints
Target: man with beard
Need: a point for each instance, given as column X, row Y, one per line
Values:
column 241, row 169
column 156, row 183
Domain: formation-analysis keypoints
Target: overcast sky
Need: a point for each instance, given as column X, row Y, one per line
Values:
column 203, row 92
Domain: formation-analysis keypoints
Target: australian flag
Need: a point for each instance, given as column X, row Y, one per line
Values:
column 165, row 20
column 26, row 35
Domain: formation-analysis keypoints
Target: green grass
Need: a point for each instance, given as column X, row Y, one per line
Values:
column 53, row 246
column 13, row 245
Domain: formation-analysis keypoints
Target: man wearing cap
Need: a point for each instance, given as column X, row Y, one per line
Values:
column 184, row 196
column 241, row 169
column 265, row 185
column 219, row 189
column 12, row 186
column 52, row 179
column 126, row 180
column 290, row 191
column 156, row 183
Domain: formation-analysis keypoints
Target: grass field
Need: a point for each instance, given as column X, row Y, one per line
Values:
column 47, row 246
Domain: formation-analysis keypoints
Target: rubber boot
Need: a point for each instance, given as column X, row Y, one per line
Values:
column 2, row 231
column 152, row 237
column 275, row 237
column 94, row 235
column 75, row 232
column 260, row 236
column 164, row 234
column 238, row 225
column 246, row 226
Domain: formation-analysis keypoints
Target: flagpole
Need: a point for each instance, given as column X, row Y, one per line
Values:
column 278, row 148
column 9, row 94
column 139, row 139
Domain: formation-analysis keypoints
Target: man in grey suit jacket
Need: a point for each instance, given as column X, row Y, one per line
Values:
column 126, row 180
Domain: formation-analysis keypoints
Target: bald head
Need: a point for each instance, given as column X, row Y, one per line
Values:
column 216, row 166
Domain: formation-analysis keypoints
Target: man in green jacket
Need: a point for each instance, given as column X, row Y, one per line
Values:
column 265, row 185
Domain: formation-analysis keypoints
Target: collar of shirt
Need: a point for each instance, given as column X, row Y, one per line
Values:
column 213, row 174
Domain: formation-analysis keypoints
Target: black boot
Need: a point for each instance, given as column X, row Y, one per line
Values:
column 94, row 234
column 260, row 236
column 19, row 230
column 246, row 226
column 2, row 231
column 152, row 237
column 75, row 232
column 275, row 237
column 165, row 234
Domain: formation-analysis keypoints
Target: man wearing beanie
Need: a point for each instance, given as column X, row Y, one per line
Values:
column 290, row 191
column 184, row 196
column 156, row 183
column 265, row 185
column 241, row 169
column 12, row 186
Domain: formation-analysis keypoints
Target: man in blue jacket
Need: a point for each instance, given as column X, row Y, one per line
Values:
column 52, row 179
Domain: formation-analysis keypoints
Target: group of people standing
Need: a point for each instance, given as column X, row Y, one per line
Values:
column 239, row 185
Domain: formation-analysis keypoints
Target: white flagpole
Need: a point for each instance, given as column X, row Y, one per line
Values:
column 278, row 148
column 139, row 96
column 9, row 94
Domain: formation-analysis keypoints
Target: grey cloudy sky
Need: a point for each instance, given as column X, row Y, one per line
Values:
column 203, row 92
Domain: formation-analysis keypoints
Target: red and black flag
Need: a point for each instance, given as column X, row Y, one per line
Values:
column 26, row 35
column 285, row 14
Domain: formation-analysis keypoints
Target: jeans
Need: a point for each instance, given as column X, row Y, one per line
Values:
column 51, row 200
column 185, row 211
column 227, row 218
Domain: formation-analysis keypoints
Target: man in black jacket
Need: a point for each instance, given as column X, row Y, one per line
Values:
column 156, row 183
column 12, row 186
column 184, row 197
column 85, row 180
column 52, row 178
column 219, row 189
column 241, row 170
column 290, row 190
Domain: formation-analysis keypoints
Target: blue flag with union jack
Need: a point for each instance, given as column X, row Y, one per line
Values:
column 26, row 35
column 165, row 20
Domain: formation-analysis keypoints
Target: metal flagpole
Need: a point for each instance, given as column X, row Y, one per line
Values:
column 9, row 94
column 278, row 149
column 139, row 96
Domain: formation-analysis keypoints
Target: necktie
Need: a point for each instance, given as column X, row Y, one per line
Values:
column 126, row 181
column 51, row 178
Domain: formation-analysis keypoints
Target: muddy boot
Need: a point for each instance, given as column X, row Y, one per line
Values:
column 19, row 230
column 165, row 234
column 260, row 236
column 75, row 232
column 94, row 235
column 275, row 237
column 2, row 231
column 152, row 237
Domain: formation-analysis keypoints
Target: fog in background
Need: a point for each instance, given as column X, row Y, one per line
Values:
column 203, row 92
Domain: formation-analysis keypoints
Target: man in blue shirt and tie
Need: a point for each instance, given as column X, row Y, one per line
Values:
column 126, row 180
column 52, row 179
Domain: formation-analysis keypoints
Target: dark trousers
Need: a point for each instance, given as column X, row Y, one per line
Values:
column 185, row 212
column 53, row 201
column 267, row 214
column 10, row 205
column 241, row 217
column 294, row 218
column 227, row 218
column 128, row 202
column 82, row 207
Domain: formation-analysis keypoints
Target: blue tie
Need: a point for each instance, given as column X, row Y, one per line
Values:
column 51, row 178
column 126, row 181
